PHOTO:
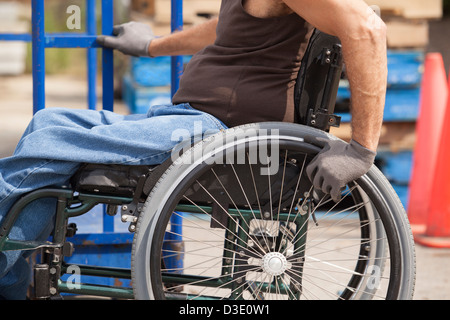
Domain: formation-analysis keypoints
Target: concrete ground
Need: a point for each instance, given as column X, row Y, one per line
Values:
column 433, row 276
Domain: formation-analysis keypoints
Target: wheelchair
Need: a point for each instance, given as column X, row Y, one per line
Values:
column 235, row 216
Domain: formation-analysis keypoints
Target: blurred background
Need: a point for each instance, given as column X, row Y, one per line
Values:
column 415, row 28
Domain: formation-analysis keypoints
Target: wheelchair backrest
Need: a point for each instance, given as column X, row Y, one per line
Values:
column 318, row 82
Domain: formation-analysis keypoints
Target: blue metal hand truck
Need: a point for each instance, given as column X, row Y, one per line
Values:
column 109, row 238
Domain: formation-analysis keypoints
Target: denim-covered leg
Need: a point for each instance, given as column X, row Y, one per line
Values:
column 35, row 221
column 14, row 285
column 58, row 140
column 34, row 166
column 105, row 137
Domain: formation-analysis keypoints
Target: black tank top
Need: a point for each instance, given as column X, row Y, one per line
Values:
column 248, row 74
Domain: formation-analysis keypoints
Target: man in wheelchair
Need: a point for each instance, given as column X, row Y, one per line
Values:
column 244, row 70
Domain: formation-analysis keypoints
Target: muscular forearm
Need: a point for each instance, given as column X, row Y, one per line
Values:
column 185, row 42
column 366, row 66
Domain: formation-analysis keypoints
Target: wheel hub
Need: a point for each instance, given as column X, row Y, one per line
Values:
column 274, row 263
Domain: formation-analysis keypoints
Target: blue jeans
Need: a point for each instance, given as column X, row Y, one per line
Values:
column 51, row 150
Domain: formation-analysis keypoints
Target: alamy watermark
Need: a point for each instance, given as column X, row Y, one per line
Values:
column 74, row 20
column 373, row 282
column 74, row 280
column 374, row 21
column 236, row 146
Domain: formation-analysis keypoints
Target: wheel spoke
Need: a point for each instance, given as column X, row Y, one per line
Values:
column 279, row 239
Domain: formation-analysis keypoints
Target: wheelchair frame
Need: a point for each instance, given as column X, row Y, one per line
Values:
column 322, row 66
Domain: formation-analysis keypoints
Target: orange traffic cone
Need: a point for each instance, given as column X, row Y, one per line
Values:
column 437, row 232
column 433, row 100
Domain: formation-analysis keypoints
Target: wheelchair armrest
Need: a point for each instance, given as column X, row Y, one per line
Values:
column 318, row 82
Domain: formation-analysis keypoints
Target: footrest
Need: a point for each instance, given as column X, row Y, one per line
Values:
column 118, row 180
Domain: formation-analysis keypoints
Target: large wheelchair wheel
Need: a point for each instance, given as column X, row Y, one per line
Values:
column 235, row 217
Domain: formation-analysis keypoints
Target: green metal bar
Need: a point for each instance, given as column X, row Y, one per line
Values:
column 241, row 213
column 299, row 251
column 96, row 271
column 65, row 198
column 88, row 201
column 196, row 280
column 183, row 296
column 244, row 217
column 13, row 214
column 12, row 245
column 228, row 252
column 208, row 209
column 96, row 290
column 243, row 230
column 193, row 209
column 214, row 283
column 59, row 233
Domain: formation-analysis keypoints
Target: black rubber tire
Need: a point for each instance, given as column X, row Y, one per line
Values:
column 384, row 197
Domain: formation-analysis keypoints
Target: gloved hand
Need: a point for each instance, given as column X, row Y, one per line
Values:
column 338, row 164
column 132, row 38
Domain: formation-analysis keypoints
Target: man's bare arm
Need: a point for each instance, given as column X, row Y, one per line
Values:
column 363, row 37
column 185, row 42
column 137, row 39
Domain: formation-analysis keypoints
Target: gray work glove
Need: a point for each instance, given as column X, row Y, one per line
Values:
column 338, row 164
column 132, row 38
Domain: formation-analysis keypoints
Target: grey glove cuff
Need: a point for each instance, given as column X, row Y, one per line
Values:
column 130, row 38
column 363, row 151
column 145, row 52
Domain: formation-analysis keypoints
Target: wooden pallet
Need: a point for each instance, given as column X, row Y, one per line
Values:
column 194, row 11
column 145, row 7
column 407, row 33
column 395, row 136
column 406, row 19
column 410, row 9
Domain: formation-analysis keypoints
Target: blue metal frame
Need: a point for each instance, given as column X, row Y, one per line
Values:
column 107, row 56
column 91, row 56
column 38, row 53
column 41, row 41
column 176, row 69
column 176, row 25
